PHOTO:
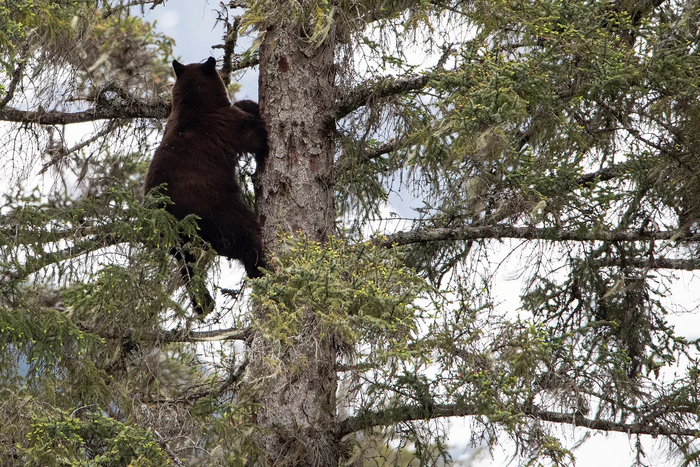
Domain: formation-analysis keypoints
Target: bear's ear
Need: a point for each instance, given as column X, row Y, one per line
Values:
column 178, row 67
column 209, row 67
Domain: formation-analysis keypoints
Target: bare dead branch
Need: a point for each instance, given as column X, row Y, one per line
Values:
column 530, row 233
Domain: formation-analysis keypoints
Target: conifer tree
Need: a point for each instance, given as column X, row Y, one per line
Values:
column 556, row 141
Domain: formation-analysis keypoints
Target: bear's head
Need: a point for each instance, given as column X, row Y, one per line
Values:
column 198, row 86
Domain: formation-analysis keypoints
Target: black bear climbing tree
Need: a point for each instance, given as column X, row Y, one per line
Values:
column 203, row 141
column 481, row 212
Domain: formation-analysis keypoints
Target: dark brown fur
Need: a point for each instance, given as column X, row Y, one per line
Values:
column 204, row 137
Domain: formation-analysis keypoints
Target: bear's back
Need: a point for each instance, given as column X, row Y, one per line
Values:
column 204, row 137
column 198, row 164
column 197, row 159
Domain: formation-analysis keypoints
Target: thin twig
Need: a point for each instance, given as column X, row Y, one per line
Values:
column 62, row 152
column 345, row 162
column 164, row 445
column 15, row 79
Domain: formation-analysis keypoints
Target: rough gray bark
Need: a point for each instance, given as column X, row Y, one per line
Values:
column 296, row 384
column 296, row 98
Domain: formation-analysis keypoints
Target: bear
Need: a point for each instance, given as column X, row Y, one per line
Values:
column 197, row 161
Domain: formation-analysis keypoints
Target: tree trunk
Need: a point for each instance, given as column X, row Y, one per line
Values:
column 296, row 196
column 296, row 98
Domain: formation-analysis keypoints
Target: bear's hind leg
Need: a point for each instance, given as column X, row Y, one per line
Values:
column 237, row 237
column 202, row 301
column 252, row 263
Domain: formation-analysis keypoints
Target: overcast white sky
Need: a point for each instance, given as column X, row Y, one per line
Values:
column 193, row 26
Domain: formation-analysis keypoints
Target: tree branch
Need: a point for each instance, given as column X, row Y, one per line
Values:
column 654, row 263
column 388, row 86
column 407, row 413
column 529, row 233
column 577, row 419
column 377, row 89
column 61, row 152
column 164, row 445
column 603, row 175
column 245, row 62
column 345, row 162
column 134, row 109
column 374, row 11
column 14, row 81
column 233, row 379
column 35, row 264
column 205, row 336
column 229, row 45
